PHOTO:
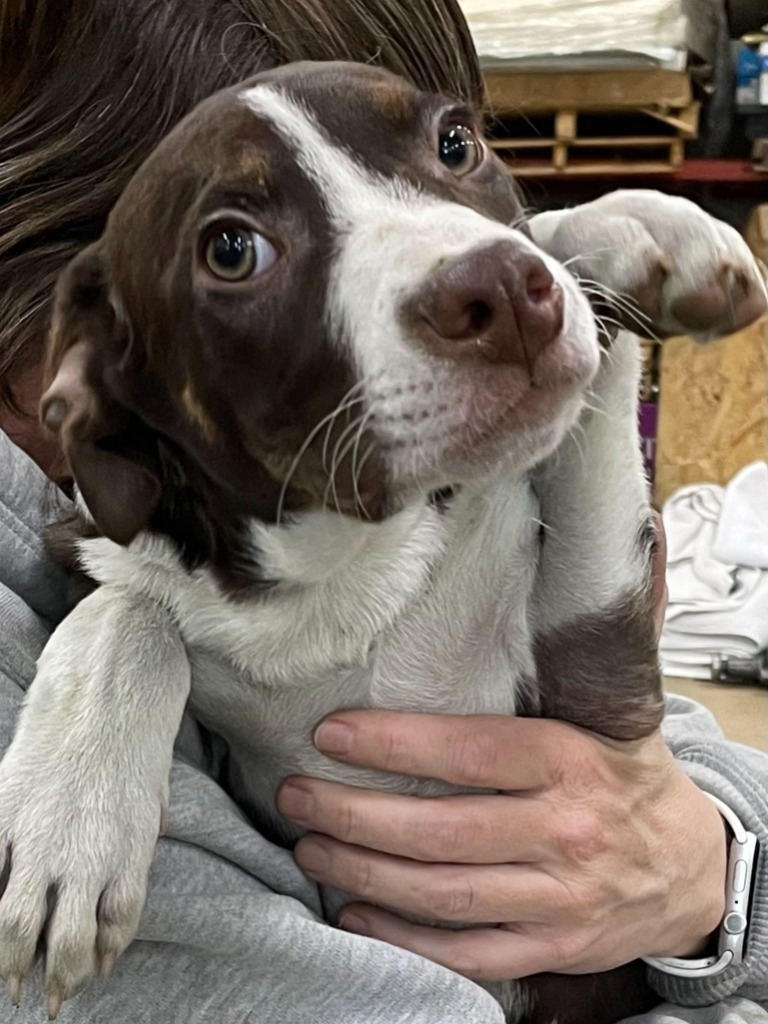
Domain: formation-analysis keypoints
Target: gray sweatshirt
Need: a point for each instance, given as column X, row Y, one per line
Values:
column 232, row 932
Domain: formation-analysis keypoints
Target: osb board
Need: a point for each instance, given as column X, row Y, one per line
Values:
column 712, row 409
column 515, row 91
column 756, row 233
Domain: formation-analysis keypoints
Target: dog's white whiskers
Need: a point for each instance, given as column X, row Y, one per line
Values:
column 596, row 409
column 341, row 449
column 578, row 428
column 347, row 402
column 343, row 405
column 622, row 301
column 357, row 469
column 605, row 291
column 587, row 255
column 358, row 500
column 521, row 219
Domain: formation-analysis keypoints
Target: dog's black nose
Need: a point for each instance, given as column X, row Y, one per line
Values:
column 499, row 301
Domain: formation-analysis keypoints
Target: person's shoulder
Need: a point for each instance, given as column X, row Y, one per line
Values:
column 29, row 502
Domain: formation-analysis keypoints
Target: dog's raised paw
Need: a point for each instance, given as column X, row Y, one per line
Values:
column 659, row 263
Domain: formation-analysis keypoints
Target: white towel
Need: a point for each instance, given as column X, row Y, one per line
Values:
column 717, row 573
column 742, row 533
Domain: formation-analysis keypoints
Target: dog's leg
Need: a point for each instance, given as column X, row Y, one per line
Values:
column 596, row 657
column 659, row 261
column 83, row 788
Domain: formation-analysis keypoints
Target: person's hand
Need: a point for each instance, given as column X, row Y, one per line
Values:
column 591, row 854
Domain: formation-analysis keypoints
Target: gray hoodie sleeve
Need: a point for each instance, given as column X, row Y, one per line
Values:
column 738, row 775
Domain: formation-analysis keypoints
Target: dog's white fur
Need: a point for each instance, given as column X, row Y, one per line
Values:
column 422, row 611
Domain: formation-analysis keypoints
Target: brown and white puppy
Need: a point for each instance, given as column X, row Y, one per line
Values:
column 349, row 439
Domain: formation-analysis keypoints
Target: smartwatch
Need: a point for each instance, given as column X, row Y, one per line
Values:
column 731, row 944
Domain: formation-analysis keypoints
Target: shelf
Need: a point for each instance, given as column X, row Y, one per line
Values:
column 733, row 172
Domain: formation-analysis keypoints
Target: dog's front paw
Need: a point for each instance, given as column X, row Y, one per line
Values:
column 659, row 263
column 75, row 856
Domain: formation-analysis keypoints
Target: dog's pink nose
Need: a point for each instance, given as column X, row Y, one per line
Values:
column 499, row 301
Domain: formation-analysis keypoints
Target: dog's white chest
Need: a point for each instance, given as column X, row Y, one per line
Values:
column 429, row 614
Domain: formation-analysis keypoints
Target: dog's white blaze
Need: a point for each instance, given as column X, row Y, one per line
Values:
column 349, row 190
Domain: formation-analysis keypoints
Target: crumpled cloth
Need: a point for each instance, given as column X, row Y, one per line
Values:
column 717, row 573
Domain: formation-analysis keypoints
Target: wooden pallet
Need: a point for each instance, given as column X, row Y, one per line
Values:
column 533, row 91
column 645, row 140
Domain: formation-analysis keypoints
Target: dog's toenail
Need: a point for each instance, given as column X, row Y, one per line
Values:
column 14, row 989
column 54, row 1005
column 107, row 964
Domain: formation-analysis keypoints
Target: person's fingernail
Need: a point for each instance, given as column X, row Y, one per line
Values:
column 334, row 738
column 295, row 802
column 312, row 857
column 354, row 923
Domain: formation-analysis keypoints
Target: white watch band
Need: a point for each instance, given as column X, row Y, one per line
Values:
column 733, row 929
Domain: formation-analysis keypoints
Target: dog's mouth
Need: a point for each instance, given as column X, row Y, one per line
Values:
column 478, row 430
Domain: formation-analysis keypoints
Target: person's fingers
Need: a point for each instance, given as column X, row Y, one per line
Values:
column 467, row 829
column 482, row 894
column 483, row 954
column 489, row 752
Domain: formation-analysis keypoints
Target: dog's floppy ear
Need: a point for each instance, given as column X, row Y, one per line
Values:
column 112, row 454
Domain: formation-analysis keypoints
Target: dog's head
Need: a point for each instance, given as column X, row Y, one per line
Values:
column 317, row 292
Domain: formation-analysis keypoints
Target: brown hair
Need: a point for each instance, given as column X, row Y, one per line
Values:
column 88, row 87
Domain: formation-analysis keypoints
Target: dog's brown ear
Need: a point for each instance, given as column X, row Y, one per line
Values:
column 112, row 454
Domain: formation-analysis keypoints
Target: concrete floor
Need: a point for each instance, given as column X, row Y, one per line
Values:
column 742, row 711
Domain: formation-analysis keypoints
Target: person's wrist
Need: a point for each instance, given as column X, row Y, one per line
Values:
column 703, row 915
column 713, row 917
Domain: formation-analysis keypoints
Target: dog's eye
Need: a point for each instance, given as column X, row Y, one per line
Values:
column 459, row 149
column 235, row 253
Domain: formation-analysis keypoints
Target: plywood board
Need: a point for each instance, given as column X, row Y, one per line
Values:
column 712, row 409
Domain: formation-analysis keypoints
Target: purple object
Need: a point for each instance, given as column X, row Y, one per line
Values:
column 649, row 416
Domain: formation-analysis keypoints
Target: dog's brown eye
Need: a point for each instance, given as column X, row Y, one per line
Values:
column 234, row 253
column 459, row 149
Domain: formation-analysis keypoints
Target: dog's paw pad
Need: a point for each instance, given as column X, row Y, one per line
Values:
column 728, row 301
